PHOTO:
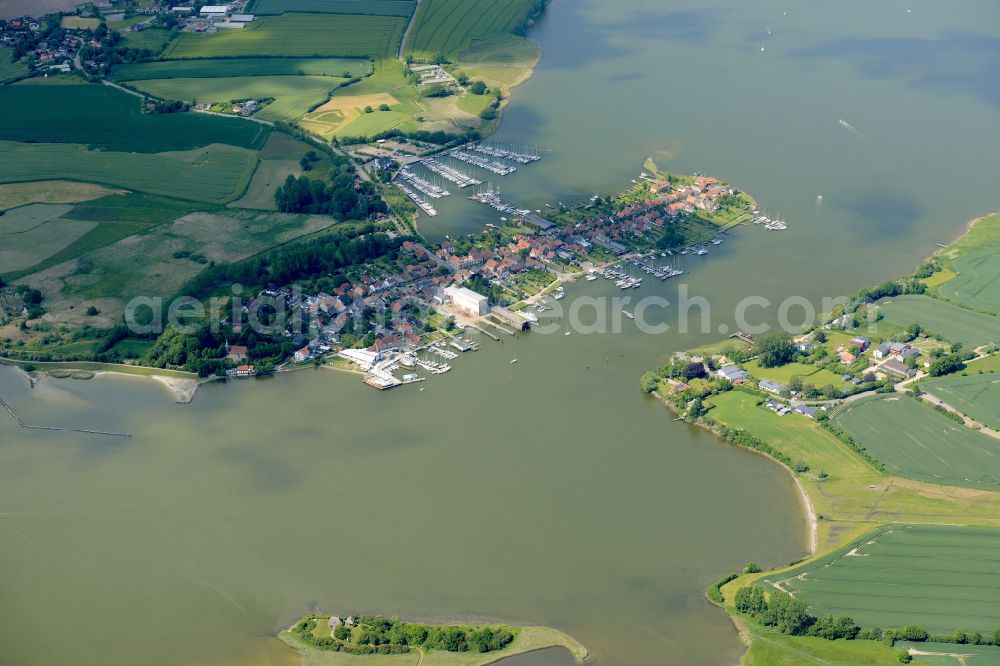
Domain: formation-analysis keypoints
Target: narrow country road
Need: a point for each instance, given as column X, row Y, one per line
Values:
column 406, row 33
column 971, row 423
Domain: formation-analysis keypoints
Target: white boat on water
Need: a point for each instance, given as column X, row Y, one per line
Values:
column 513, row 361
column 628, row 314
column 591, row 278
column 568, row 333
column 559, row 296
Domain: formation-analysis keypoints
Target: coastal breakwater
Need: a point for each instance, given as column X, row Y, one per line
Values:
column 21, row 424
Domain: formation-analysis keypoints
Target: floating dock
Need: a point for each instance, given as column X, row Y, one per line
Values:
column 499, row 168
column 519, row 154
column 425, row 186
column 449, row 173
column 422, row 203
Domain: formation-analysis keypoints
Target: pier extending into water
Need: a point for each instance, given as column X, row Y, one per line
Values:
column 423, row 185
column 21, row 424
column 497, row 167
column 424, row 204
column 449, row 173
column 519, row 154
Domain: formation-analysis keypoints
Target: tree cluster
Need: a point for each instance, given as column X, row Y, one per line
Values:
column 343, row 197
column 774, row 349
column 383, row 635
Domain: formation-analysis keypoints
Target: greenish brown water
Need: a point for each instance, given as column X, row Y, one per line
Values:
column 551, row 491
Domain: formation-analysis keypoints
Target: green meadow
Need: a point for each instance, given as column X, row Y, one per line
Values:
column 112, row 120
column 8, row 68
column 810, row 374
column 913, row 440
column 297, row 35
column 939, row 577
column 372, row 7
column 152, row 39
column 32, row 233
column 449, row 26
column 974, row 394
column 213, row 174
column 942, row 653
column 974, row 262
column 293, row 96
column 220, row 67
column 942, row 318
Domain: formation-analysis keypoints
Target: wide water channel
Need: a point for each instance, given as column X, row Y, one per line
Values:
column 550, row 491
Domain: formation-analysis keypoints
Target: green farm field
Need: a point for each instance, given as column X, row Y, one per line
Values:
column 213, row 174
column 914, row 441
column 449, row 26
column 371, row 7
column 976, row 395
column 939, row 577
column 854, row 496
column 215, row 68
column 297, row 35
column 151, row 39
column 343, row 114
column 32, row 233
column 940, row 653
column 810, row 374
column 8, row 68
column 111, row 218
column 772, row 648
column 293, row 96
column 103, row 117
column 159, row 261
column 975, row 261
column 942, row 318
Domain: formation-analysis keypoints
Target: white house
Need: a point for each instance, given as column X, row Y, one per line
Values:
column 467, row 300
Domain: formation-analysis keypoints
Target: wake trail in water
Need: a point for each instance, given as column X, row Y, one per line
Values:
column 852, row 129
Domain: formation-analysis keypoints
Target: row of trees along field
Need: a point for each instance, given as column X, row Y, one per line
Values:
column 791, row 616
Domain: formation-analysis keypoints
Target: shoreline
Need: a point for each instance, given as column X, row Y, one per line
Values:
column 965, row 516
column 184, row 386
column 527, row 639
column 804, row 500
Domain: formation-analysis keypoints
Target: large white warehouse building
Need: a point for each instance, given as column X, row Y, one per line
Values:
column 467, row 300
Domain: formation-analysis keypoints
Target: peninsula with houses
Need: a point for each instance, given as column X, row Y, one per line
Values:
column 885, row 414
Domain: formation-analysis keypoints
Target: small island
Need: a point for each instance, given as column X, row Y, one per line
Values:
column 330, row 640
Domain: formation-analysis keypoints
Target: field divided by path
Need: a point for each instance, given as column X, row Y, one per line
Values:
column 371, row 7
column 942, row 318
column 942, row 578
column 297, row 35
column 976, row 395
column 110, row 119
column 915, row 441
column 293, row 96
column 213, row 174
column 224, row 67
column 449, row 26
